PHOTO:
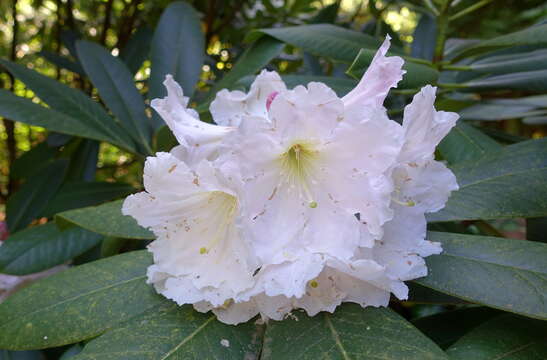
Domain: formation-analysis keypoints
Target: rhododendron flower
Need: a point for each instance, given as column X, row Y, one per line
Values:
column 296, row 198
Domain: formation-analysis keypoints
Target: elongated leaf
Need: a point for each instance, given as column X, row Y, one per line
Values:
column 464, row 143
column 62, row 62
column 32, row 160
column 424, row 36
column 508, row 183
column 350, row 333
column 501, row 273
column 447, row 327
column 117, row 89
column 494, row 111
column 21, row 355
column 83, row 160
column 32, row 198
column 535, row 35
column 504, row 337
column 71, row 102
column 24, row 110
column 178, row 48
column 535, row 81
column 322, row 39
column 137, row 49
column 79, row 194
column 506, row 64
column 417, row 75
column 78, row 303
column 106, row 219
column 42, row 247
column 256, row 57
column 178, row 333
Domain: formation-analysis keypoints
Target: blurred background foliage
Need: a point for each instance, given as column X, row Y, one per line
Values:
column 41, row 34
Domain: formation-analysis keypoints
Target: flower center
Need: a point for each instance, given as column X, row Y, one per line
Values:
column 297, row 165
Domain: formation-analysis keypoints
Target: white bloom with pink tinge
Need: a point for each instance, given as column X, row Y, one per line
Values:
column 296, row 199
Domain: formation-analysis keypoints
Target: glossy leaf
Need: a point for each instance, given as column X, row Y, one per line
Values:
column 447, row 327
column 350, row 333
column 172, row 332
column 535, row 35
column 32, row 160
column 492, row 187
column 78, row 304
column 326, row 40
column 497, row 272
column 106, row 219
column 507, row 64
column 178, row 48
column 137, row 49
column 504, row 337
column 495, row 111
column 75, row 195
column 71, row 102
column 531, row 81
column 117, row 89
column 425, row 36
column 464, row 142
column 417, row 75
column 35, row 194
column 41, row 247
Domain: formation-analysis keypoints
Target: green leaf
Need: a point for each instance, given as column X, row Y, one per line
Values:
column 21, row 355
column 31, row 161
column 535, row 35
column 447, row 327
column 62, row 62
column 75, row 195
column 464, row 142
column 178, row 48
column 536, row 228
column 322, row 40
column 83, row 160
column 425, row 36
column 417, row 75
column 174, row 332
column 137, row 49
column 42, row 247
column 530, row 81
column 117, row 89
column 71, row 102
column 78, row 304
column 497, row 272
column 507, row 183
column 35, row 194
column 512, row 63
column 256, row 57
column 350, row 333
column 494, row 111
column 21, row 109
column 504, row 337
column 106, row 219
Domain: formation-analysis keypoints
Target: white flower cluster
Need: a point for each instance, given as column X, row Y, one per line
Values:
column 296, row 199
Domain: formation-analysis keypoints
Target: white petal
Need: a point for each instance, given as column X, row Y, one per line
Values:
column 230, row 107
column 202, row 139
column 382, row 74
column 424, row 127
column 236, row 313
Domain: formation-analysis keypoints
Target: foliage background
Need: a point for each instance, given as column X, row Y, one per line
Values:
column 499, row 93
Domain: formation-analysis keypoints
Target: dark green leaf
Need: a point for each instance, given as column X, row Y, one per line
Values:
column 137, row 49
column 536, row 229
column 531, row 81
column 42, row 247
column 35, row 194
column 21, row 355
column 24, row 110
column 505, row 337
column 31, row 161
column 417, row 75
column 62, row 62
column 447, row 327
column 350, row 333
column 178, row 48
column 79, row 194
column 71, row 352
column 83, row 160
column 535, row 35
column 172, row 332
column 507, row 183
column 71, row 102
column 419, row 294
column 117, row 89
column 496, row 111
column 497, row 272
column 464, row 142
column 322, row 39
column 506, row 64
column 106, row 219
column 425, row 36
column 77, row 304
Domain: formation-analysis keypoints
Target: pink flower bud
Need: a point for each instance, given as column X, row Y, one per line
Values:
column 270, row 98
